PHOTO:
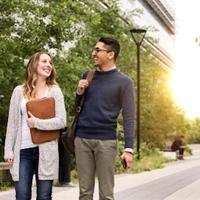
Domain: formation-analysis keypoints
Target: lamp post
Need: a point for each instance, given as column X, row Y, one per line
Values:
column 138, row 36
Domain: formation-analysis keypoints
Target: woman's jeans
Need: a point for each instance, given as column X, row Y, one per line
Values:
column 28, row 167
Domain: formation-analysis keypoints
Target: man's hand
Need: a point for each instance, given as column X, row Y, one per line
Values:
column 82, row 85
column 31, row 120
column 128, row 157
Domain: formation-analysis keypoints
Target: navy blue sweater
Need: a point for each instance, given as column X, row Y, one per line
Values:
column 109, row 93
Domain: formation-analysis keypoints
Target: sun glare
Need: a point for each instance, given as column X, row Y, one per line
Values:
column 185, row 81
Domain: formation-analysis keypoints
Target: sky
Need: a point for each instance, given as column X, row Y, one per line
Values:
column 186, row 76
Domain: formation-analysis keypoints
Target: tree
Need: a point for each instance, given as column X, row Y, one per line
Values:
column 160, row 116
column 69, row 31
column 29, row 26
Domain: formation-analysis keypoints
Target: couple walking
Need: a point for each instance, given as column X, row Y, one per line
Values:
column 110, row 93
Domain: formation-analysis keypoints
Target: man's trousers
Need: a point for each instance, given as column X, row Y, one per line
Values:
column 95, row 157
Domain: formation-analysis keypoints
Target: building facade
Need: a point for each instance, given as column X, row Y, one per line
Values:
column 159, row 19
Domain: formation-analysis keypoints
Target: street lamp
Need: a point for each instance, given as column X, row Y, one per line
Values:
column 138, row 36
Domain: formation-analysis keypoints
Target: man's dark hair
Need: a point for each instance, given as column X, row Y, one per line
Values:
column 113, row 45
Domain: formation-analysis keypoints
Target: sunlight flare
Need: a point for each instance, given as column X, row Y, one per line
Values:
column 185, row 81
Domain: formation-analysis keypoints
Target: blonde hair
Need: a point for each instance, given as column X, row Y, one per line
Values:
column 31, row 75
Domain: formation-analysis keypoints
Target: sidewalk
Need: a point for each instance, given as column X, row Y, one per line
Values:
column 127, row 182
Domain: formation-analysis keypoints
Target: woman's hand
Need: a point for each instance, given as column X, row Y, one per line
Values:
column 10, row 161
column 31, row 120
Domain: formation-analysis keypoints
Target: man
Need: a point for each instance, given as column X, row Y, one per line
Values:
column 179, row 146
column 95, row 143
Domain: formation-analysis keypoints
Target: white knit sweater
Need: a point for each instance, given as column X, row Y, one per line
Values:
column 48, row 152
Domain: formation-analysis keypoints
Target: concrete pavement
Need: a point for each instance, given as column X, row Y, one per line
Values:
column 179, row 180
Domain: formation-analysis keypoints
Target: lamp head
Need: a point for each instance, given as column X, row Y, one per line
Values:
column 138, row 30
column 138, row 35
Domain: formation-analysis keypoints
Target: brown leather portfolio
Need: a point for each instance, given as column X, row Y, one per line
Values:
column 43, row 109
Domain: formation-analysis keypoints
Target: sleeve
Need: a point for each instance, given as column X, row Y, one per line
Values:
column 59, row 121
column 128, row 113
column 11, row 128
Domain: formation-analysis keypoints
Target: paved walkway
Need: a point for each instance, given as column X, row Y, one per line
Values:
column 179, row 180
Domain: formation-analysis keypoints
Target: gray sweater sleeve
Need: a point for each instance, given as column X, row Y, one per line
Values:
column 11, row 124
column 59, row 121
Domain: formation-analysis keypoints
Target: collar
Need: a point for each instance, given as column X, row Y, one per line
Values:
column 114, row 67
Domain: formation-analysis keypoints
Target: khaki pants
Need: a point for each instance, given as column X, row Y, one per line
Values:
column 95, row 157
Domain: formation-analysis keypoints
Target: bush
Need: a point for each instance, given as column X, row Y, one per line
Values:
column 150, row 159
column 193, row 138
column 5, row 180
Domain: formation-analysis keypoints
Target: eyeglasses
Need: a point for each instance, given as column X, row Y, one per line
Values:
column 97, row 50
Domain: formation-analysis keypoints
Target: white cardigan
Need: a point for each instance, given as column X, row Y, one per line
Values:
column 48, row 152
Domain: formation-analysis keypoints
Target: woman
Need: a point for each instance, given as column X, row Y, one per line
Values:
column 24, row 157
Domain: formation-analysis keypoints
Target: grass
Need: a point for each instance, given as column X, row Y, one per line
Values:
column 5, row 180
column 5, row 186
column 148, row 162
